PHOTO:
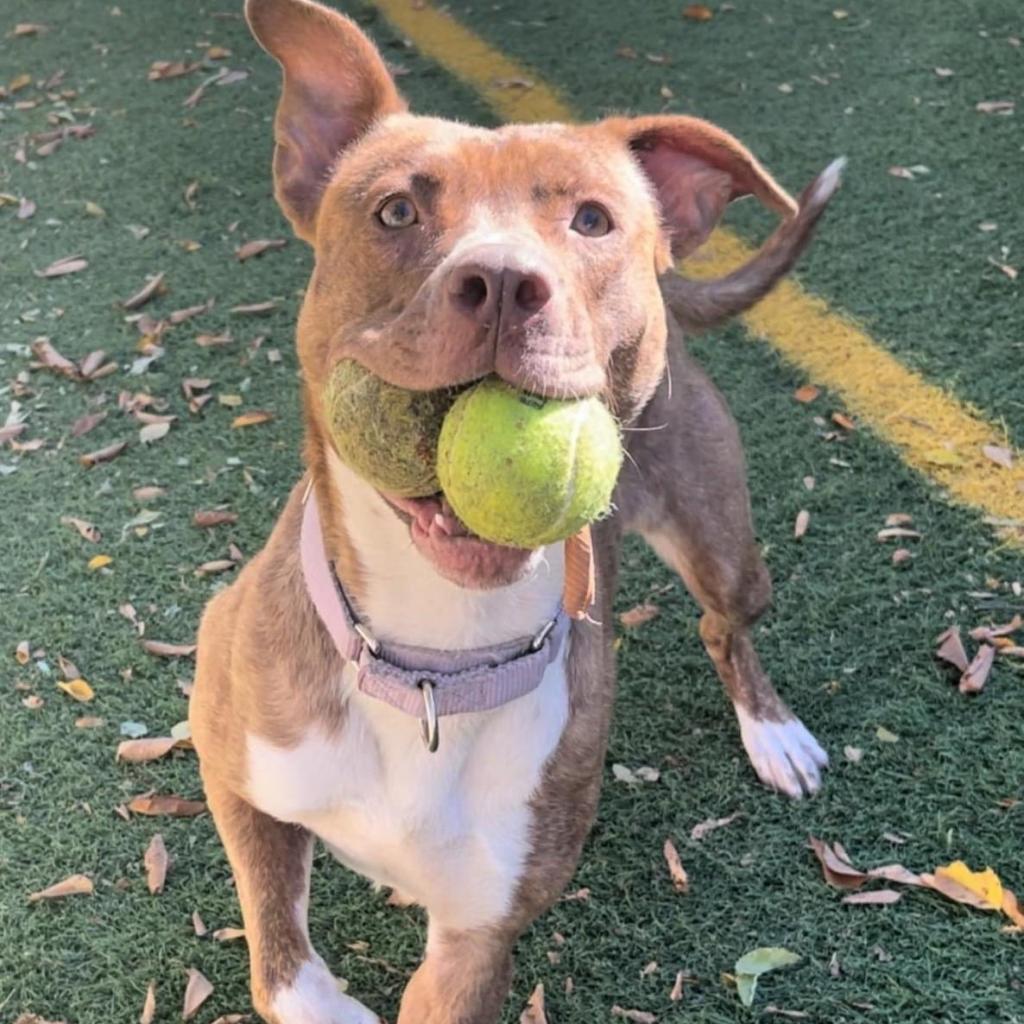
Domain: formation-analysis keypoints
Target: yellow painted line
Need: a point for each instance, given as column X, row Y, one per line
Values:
column 934, row 432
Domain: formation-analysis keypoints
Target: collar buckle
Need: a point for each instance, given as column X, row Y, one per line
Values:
column 429, row 725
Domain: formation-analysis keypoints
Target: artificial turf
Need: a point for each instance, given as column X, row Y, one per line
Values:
column 849, row 639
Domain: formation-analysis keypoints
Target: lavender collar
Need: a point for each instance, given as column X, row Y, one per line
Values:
column 421, row 681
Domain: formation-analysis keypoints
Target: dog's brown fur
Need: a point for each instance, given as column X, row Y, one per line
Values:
column 266, row 664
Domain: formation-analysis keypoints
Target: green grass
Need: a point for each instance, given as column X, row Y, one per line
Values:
column 849, row 639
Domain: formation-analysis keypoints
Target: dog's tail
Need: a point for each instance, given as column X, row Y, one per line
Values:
column 702, row 304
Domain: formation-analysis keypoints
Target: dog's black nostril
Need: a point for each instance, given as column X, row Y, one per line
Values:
column 472, row 292
column 532, row 293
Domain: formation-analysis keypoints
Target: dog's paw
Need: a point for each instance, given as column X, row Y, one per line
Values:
column 315, row 996
column 784, row 754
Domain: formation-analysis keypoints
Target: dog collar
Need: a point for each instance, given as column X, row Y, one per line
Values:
column 421, row 681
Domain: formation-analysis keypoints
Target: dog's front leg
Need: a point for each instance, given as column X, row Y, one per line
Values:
column 464, row 978
column 271, row 862
column 685, row 492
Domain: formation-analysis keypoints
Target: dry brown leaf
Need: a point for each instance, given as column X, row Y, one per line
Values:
column 218, row 53
column 173, row 806
column 197, row 991
column 637, row 1016
column 258, row 246
column 853, row 754
column 215, row 566
column 111, row 451
column 68, row 669
column 997, row 632
column 165, row 650
column 27, row 28
column 89, row 722
column 198, row 924
column 33, row 701
column 228, row 934
column 207, row 518
column 179, row 316
column 876, row 897
column 981, row 889
column 838, row 871
column 93, row 367
column 26, row 209
column 898, row 519
column 51, row 359
column 806, row 393
column 149, row 1005
column 896, row 873
column 254, row 308
column 803, row 521
column 252, row 418
column 77, row 689
column 85, row 528
column 149, row 748
column 901, row 555
column 155, row 861
column 680, row 879
column 65, row 265
column 676, row 994
column 894, row 532
column 154, row 432
column 902, row 172
column 534, row 1012
column 160, row 70
column 698, row 12
column 22, row 653
column 975, row 676
column 1011, row 272
column 74, row 885
column 698, row 832
column 999, row 455
column 88, row 422
column 842, row 420
column 951, row 648
column 153, row 286
column 640, row 614
column 148, row 493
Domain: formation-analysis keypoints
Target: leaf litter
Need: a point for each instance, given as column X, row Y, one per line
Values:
column 155, row 860
column 73, row 885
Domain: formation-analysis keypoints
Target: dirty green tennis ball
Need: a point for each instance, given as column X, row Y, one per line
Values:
column 526, row 471
column 387, row 434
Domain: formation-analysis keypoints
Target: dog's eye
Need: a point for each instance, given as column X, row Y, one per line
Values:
column 592, row 221
column 397, row 212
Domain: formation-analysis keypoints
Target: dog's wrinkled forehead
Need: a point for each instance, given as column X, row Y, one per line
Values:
column 466, row 170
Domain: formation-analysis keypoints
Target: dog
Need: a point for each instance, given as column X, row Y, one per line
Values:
column 435, row 708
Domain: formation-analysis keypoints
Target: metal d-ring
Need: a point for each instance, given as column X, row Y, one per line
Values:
column 428, row 724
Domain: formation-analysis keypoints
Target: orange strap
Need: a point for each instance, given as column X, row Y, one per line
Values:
column 580, row 586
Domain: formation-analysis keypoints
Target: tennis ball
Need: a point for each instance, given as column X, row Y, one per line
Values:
column 387, row 434
column 526, row 471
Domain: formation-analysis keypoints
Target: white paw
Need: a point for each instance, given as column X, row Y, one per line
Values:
column 785, row 755
column 316, row 997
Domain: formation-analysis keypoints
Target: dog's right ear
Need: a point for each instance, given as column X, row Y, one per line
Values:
column 335, row 87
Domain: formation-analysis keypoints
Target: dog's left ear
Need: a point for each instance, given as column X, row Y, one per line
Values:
column 696, row 170
column 335, row 87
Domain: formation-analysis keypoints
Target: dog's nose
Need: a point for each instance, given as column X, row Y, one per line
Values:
column 488, row 293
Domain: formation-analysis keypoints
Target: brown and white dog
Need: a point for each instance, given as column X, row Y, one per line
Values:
column 444, row 253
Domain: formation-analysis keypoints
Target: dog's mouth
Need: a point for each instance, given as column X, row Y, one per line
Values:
column 456, row 552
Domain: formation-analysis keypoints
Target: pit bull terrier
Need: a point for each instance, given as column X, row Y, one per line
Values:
column 434, row 708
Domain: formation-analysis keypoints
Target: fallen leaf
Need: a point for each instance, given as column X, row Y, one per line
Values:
column 958, row 882
column 842, row 420
column 88, row 422
column 999, row 455
column 154, row 432
column 885, row 735
column 676, row 994
column 896, row 873
column 94, row 366
column 26, row 209
column 1011, row 908
column 698, row 12
column 752, row 965
column 807, row 393
column 640, row 614
column 26, row 28
column 997, row 632
column 74, row 885
column 218, row 53
column 149, row 1005
column 98, row 562
column 166, row 650
column 198, row 924
column 803, row 521
column 179, row 316
column 153, row 286
column 254, row 308
column 89, row 722
column 51, row 359
column 155, row 861
column 698, row 832
column 680, row 879
column 894, row 532
column 258, row 246
column 252, row 418
column 33, row 702
column 1011, row 272
column 197, row 991
column 228, row 934
column 637, row 1016
column 838, row 871
column 175, row 806
column 215, row 566
column 951, row 648
column 22, row 653
column 975, row 676
column 137, row 751
column 68, row 669
column 111, row 451
column 207, row 518
column 534, row 1012
column 876, row 897
column 65, row 265
column 78, row 689
column 161, row 70
column 995, row 107
column 86, row 529
column 148, row 493
column 853, row 754
column 777, row 1011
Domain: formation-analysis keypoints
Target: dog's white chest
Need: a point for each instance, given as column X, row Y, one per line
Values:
column 448, row 830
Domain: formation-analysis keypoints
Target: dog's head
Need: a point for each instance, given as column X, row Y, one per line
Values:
column 446, row 252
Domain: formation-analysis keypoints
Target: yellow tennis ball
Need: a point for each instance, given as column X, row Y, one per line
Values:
column 525, row 471
column 387, row 434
